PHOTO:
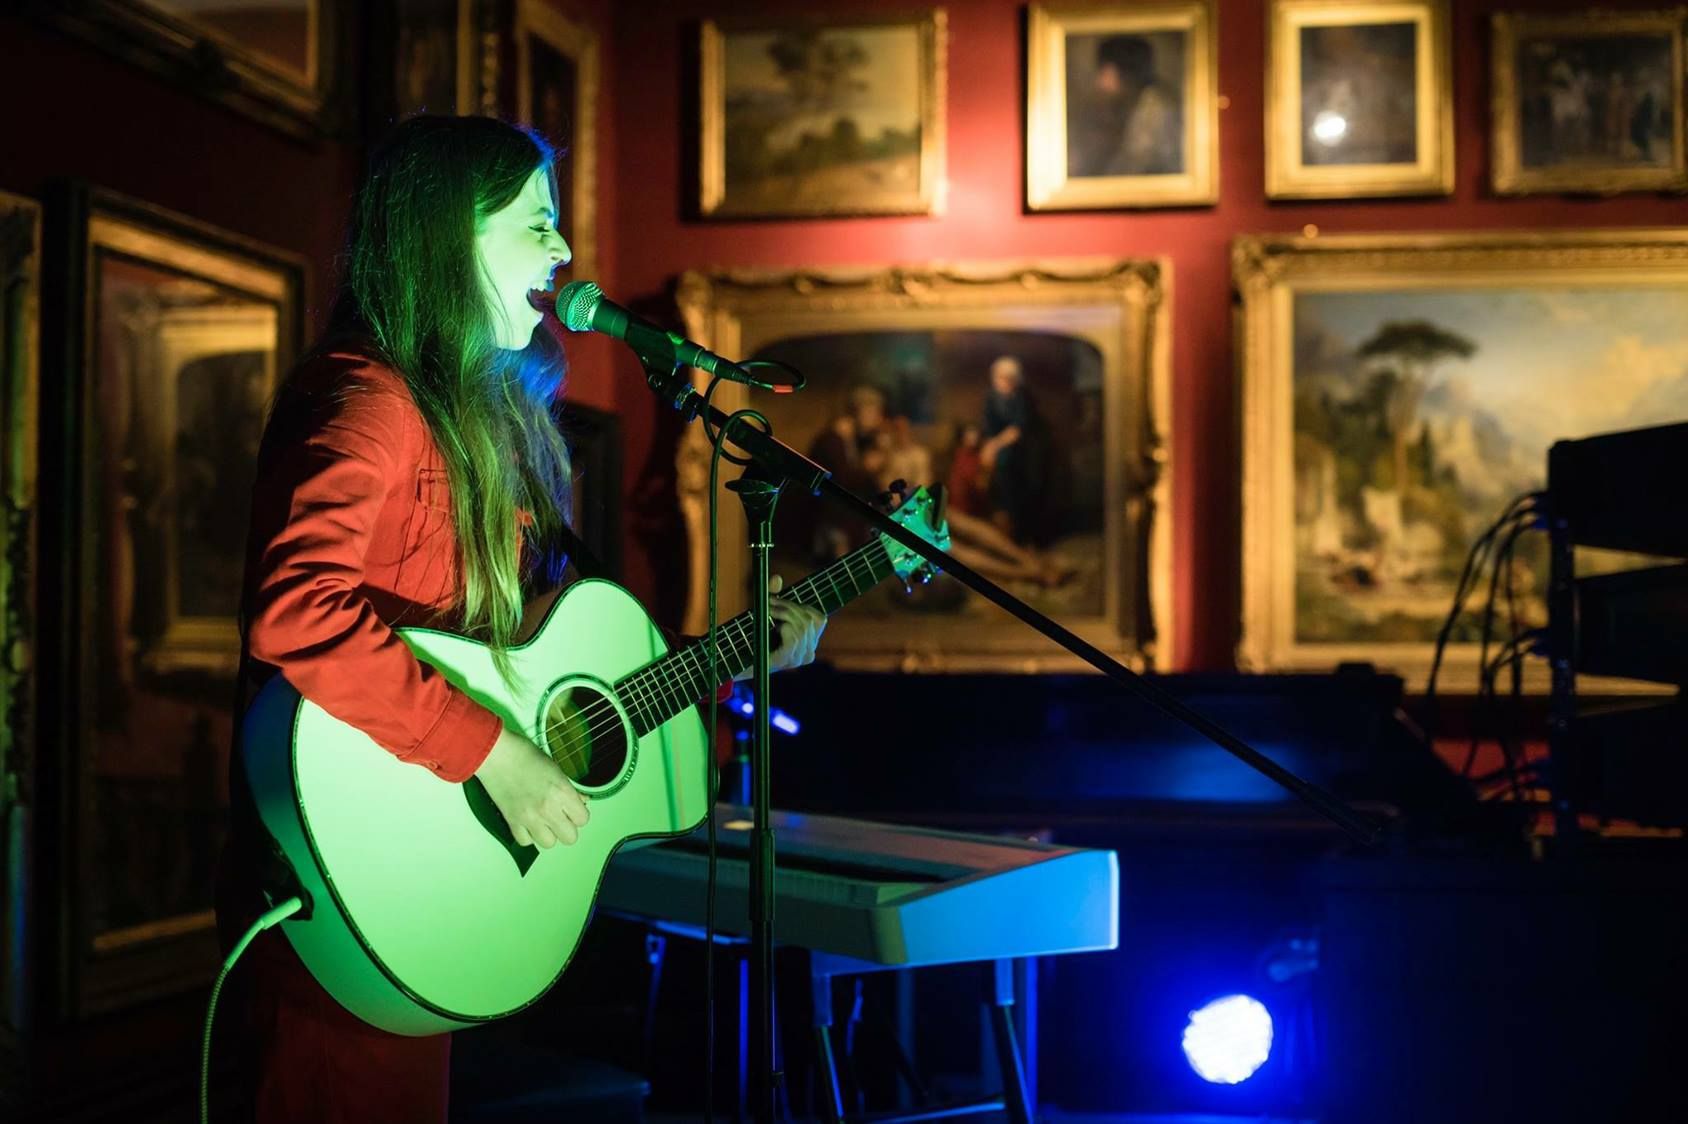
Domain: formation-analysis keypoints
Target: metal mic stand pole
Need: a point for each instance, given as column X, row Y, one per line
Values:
column 759, row 494
column 759, row 497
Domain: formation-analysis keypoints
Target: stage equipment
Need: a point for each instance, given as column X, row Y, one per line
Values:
column 771, row 465
column 1227, row 1039
column 864, row 896
column 1618, row 491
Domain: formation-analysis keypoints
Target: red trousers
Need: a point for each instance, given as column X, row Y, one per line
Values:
column 306, row 1058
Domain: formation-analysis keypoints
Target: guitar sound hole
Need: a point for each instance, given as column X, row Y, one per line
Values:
column 584, row 735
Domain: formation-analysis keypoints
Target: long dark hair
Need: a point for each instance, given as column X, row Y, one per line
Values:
column 410, row 289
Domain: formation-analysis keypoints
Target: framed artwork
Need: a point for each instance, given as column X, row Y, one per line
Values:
column 171, row 338
column 557, row 94
column 276, row 62
column 444, row 57
column 1359, row 99
column 20, row 287
column 1122, row 106
column 1398, row 391
column 1588, row 103
column 920, row 374
column 823, row 118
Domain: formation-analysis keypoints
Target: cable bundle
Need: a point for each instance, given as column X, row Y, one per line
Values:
column 1495, row 549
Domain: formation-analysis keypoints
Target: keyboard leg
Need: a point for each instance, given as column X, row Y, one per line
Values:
column 832, row 1099
column 1007, row 1048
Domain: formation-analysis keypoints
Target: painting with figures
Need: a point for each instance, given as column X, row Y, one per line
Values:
column 1420, row 414
column 1009, row 421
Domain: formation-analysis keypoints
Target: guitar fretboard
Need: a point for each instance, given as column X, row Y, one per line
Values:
column 663, row 688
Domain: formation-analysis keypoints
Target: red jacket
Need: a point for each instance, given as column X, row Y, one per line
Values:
column 351, row 535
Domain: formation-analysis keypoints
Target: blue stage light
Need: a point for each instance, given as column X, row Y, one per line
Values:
column 1228, row 1039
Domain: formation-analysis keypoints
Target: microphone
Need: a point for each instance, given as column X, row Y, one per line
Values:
column 582, row 307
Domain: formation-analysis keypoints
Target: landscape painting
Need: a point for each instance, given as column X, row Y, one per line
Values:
column 1399, row 392
column 816, row 119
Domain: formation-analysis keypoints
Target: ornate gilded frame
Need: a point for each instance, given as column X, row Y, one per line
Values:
column 20, row 288
column 1509, row 175
column 536, row 19
column 304, row 103
column 1048, row 185
column 116, row 642
column 932, row 27
column 1120, row 306
column 1269, row 272
column 1288, row 176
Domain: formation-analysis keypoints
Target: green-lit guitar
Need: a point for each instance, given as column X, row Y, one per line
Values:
column 425, row 915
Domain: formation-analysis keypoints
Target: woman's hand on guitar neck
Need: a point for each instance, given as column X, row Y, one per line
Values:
column 532, row 791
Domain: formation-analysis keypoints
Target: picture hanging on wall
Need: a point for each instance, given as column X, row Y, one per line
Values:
column 1121, row 106
column 273, row 62
column 1589, row 103
column 1398, row 392
column 444, row 58
column 1359, row 99
column 1035, row 393
column 822, row 118
column 177, row 335
column 557, row 94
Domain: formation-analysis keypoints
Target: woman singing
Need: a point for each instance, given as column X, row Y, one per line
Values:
column 411, row 473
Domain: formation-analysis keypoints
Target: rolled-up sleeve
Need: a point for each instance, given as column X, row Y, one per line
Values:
column 315, row 508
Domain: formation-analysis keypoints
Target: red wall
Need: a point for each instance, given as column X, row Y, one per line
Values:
column 985, row 219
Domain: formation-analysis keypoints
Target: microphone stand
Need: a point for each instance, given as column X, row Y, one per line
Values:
column 777, row 464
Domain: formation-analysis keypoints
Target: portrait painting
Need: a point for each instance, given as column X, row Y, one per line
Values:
column 1400, row 393
column 1359, row 101
column 433, row 60
column 187, row 330
column 1037, row 416
column 823, row 118
column 1589, row 103
column 1121, row 105
column 557, row 96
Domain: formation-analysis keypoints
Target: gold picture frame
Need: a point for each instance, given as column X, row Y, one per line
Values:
column 1144, row 140
column 1090, row 341
column 1449, row 363
column 173, row 335
column 889, row 71
column 1551, row 73
column 557, row 67
column 1359, row 99
column 283, row 72
column 444, row 58
column 20, row 298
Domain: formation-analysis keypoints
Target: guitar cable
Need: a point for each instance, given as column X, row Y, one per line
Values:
column 270, row 918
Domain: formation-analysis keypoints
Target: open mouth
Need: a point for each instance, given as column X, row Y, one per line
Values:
column 542, row 299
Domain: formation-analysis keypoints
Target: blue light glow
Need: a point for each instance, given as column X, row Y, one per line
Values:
column 1228, row 1039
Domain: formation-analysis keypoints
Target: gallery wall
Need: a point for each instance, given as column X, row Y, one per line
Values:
column 650, row 74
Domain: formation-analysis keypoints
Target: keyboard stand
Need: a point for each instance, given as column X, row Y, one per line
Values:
column 825, row 966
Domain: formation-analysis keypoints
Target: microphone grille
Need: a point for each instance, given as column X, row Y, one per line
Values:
column 576, row 302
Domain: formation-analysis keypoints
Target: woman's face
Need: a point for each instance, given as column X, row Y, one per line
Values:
column 518, row 248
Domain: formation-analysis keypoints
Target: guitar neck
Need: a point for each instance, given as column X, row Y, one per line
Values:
column 663, row 688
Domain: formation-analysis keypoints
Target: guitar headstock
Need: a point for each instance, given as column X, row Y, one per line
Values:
column 922, row 512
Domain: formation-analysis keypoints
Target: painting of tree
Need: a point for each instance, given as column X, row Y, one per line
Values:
column 820, row 119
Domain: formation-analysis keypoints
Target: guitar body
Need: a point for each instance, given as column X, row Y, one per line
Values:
column 425, row 915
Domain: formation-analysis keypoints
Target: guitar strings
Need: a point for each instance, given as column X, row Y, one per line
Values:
column 601, row 717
